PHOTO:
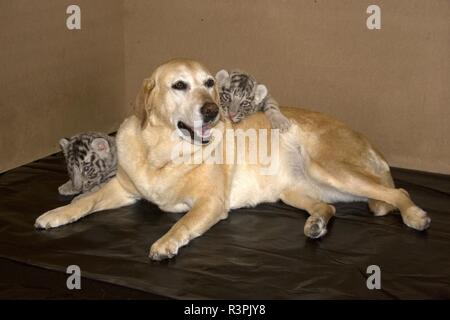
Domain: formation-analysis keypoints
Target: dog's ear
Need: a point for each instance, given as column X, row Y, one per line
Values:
column 142, row 103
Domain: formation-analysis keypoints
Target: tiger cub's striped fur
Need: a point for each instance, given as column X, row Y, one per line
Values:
column 91, row 160
column 241, row 95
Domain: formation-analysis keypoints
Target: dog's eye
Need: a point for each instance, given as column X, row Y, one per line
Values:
column 209, row 83
column 179, row 85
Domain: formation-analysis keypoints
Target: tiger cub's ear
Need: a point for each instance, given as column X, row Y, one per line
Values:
column 63, row 143
column 260, row 93
column 101, row 146
column 221, row 76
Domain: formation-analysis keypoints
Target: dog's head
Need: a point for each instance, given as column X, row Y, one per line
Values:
column 183, row 95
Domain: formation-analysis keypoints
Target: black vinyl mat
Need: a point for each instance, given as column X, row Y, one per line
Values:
column 257, row 253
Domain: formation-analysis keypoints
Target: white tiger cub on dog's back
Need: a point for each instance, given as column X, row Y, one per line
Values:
column 241, row 96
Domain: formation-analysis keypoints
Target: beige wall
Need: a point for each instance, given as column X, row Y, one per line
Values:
column 55, row 82
column 393, row 84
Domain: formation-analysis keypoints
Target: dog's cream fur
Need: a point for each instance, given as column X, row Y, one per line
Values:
column 320, row 161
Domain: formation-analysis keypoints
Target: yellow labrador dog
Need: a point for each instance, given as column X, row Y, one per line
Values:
column 318, row 161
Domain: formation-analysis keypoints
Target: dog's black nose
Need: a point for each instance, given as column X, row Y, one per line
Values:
column 209, row 111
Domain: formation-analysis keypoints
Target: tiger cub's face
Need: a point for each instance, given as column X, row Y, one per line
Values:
column 240, row 94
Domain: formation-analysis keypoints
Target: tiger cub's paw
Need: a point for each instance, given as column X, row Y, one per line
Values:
column 279, row 121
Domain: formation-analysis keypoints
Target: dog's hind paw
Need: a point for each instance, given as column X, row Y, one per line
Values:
column 416, row 218
column 315, row 227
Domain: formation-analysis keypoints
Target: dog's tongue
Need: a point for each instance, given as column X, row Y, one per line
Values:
column 205, row 131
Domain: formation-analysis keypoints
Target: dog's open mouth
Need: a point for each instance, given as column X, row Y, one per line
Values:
column 201, row 135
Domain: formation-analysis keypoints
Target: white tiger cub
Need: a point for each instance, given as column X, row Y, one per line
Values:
column 241, row 95
column 91, row 160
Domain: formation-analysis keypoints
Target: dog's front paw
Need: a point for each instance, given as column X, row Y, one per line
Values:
column 416, row 218
column 280, row 122
column 164, row 248
column 52, row 219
